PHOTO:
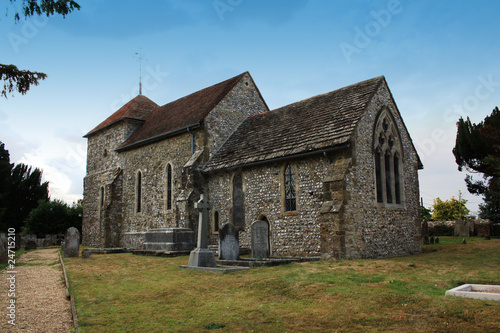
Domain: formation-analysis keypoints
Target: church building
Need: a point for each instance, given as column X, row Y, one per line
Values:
column 334, row 175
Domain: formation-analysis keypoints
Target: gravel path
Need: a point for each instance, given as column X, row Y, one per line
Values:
column 40, row 295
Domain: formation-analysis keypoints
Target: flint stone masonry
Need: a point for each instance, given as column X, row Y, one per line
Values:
column 462, row 228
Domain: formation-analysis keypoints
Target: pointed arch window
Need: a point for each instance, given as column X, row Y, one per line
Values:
column 169, row 186
column 138, row 192
column 388, row 157
column 290, row 193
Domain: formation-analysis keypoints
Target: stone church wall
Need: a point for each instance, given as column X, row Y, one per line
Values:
column 102, row 164
column 240, row 103
column 152, row 161
column 291, row 233
column 386, row 230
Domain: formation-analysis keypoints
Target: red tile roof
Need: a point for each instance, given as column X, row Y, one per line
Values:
column 178, row 115
column 136, row 109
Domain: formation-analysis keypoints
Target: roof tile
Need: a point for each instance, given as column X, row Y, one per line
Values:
column 315, row 123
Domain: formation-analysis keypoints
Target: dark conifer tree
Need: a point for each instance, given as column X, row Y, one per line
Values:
column 477, row 149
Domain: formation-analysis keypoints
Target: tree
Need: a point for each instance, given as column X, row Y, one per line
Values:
column 54, row 217
column 449, row 210
column 490, row 209
column 425, row 214
column 21, row 188
column 477, row 149
column 21, row 80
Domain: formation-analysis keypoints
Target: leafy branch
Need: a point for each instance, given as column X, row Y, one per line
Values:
column 18, row 80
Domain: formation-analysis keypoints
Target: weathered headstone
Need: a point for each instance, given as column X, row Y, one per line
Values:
column 71, row 246
column 437, row 240
column 30, row 245
column 229, row 246
column 86, row 254
column 462, row 228
column 4, row 253
column 260, row 239
column 425, row 232
column 431, row 240
column 202, row 256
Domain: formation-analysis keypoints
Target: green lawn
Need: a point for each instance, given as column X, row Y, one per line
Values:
column 128, row 293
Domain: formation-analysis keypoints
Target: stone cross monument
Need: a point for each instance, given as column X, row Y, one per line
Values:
column 202, row 256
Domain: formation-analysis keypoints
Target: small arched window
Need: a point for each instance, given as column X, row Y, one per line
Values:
column 289, row 185
column 169, row 187
column 138, row 192
column 216, row 222
column 387, row 155
column 101, row 198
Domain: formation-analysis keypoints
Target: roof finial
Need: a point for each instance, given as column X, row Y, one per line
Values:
column 139, row 56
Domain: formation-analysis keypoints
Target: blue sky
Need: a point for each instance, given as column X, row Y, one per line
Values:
column 440, row 60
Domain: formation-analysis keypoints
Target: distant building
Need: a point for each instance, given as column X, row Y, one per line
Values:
column 333, row 175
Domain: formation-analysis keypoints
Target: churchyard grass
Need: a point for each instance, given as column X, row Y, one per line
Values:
column 128, row 293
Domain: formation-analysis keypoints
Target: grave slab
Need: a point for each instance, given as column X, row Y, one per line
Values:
column 476, row 291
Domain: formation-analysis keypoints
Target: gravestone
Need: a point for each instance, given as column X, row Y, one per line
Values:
column 71, row 246
column 462, row 228
column 30, row 245
column 4, row 253
column 425, row 232
column 86, row 254
column 202, row 256
column 260, row 239
column 437, row 240
column 229, row 246
column 431, row 240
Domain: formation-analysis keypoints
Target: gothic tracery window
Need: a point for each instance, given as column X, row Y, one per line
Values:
column 387, row 155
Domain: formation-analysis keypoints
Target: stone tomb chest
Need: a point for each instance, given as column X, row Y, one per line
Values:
column 170, row 240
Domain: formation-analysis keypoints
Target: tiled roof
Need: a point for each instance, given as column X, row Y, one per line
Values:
column 182, row 113
column 313, row 124
column 136, row 109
